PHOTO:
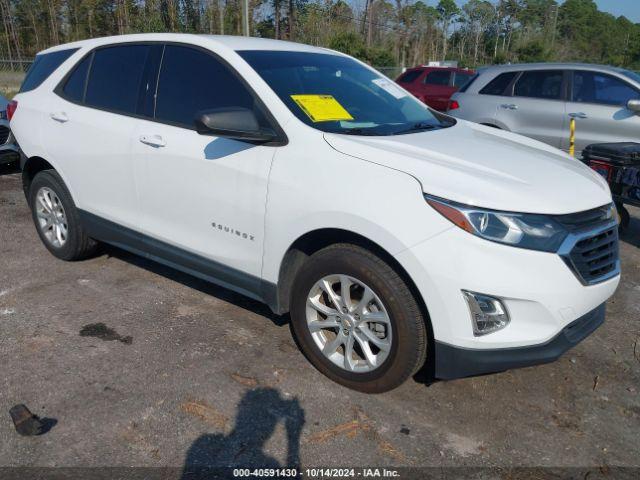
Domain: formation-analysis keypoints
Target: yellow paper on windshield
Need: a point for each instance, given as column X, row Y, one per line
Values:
column 321, row 108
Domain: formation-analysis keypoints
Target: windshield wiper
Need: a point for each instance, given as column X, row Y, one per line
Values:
column 417, row 127
column 358, row 131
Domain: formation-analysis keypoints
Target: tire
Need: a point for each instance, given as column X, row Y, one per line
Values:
column 624, row 219
column 402, row 335
column 74, row 244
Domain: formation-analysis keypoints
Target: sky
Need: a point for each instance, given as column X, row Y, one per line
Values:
column 628, row 8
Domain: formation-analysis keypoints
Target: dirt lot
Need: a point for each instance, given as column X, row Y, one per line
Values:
column 137, row 365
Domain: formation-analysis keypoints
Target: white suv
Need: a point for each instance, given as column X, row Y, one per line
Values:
column 303, row 178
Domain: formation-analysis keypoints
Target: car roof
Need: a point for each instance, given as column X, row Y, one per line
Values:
column 237, row 43
column 549, row 66
column 433, row 67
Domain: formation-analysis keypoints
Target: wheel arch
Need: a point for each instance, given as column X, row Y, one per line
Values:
column 31, row 167
column 36, row 164
column 311, row 242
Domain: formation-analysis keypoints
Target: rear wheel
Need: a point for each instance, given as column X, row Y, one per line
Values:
column 56, row 218
column 356, row 320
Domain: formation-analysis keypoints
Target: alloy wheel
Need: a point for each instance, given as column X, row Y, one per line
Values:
column 52, row 219
column 349, row 323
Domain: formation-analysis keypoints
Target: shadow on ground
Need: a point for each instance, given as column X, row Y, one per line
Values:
column 631, row 234
column 193, row 282
column 9, row 168
column 259, row 412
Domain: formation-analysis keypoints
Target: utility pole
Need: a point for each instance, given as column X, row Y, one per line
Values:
column 221, row 15
column 555, row 27
column 245, row 18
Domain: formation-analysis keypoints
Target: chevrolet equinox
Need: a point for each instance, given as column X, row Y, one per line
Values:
column 303, row 178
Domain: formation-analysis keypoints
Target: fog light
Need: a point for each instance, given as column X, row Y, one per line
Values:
column 488, row 314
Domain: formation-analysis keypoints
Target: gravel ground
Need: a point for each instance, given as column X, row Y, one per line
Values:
column 133, row 364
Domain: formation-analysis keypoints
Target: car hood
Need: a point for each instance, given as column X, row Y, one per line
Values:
column 485, row 167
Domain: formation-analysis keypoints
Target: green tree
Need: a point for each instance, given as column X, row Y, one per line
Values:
column 447, row 10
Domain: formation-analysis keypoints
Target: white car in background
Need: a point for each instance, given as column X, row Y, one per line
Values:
column 302, row 178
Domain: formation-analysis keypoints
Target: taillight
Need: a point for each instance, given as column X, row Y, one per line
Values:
column 12, row 106
column 604, row 169
column 453, row 105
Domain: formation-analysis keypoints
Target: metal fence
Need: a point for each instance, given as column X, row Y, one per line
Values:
column 11, row 75
column 21, row 65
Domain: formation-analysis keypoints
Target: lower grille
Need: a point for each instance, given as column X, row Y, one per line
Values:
column 4, row 134
column 594, row 257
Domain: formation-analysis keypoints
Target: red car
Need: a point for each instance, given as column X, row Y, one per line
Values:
column 435, row 85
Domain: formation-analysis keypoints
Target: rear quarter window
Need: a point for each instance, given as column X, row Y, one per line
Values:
column 466, row 86
column 461, row 79
column 76, row 82
column 43, row 66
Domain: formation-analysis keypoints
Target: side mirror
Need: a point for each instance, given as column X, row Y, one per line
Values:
column 233, row 122
column 634, row 105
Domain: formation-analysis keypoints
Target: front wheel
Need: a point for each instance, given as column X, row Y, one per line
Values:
column 623, row 216
column 356, row 320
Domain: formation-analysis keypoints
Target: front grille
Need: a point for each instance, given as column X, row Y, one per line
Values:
column 4, row 134
column 594, row 257
column 586, row 219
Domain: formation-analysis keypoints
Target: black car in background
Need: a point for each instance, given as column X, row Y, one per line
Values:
column 8, row 147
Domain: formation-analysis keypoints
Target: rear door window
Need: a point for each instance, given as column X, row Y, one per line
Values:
column 545, row 84
column 191, row 81
column 595, row 87
column 115, row 80
column 43, row 66
column 438, row 77
column 498, row 85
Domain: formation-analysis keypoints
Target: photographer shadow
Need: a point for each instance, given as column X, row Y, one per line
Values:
column 259, row 412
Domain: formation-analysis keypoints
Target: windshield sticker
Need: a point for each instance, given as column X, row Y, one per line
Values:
column 389, row 87
column 321, row 108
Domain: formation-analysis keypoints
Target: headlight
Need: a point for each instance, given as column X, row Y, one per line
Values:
column 524, row 230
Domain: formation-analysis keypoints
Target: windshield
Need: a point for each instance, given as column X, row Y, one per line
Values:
column 337, row 94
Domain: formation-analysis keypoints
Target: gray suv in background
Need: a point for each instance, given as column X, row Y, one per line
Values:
column 539, row 100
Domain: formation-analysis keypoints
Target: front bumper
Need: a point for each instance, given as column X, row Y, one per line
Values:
column 456, row 362
column 9, row 151
column 540, row 291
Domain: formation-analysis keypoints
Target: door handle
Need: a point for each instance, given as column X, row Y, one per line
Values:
column 509, row 106
column 153, row 140
column 59, row 117
column 578, row 115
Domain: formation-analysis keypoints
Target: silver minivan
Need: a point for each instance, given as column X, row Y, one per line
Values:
column 539, row 100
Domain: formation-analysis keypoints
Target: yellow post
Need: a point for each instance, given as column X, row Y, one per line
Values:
column 572, row 137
